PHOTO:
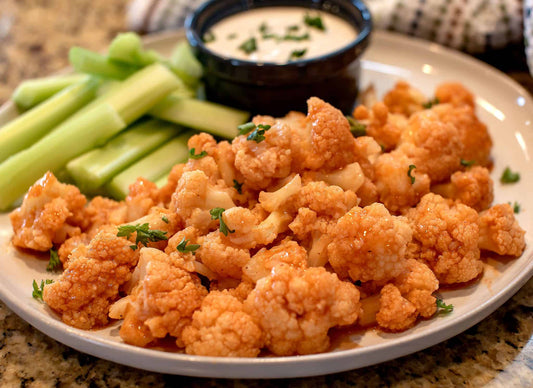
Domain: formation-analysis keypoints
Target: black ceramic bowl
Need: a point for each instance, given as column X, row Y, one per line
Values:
column 275, row 89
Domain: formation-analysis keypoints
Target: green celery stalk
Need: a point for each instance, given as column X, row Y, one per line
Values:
column 29, row 127
column 76, row 135
column 151, row 167
column 206, row 116
column 94, row 168
column 86, row 61
column 161, row 181
column 182, row 58
column 34, row 91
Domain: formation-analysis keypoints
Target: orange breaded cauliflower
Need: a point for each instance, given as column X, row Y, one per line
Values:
column 445, row 237
column 305, row 303
column 434, row 146
column 369, row 244
column 103, row 211
column 395, row 313
column 143, row 195
column 472, row 187
column 262, row 162
column 323, row 140
column 404, row 99
column 499, row 231
column 454, row 93
column 222, row 328
column 163, row 301
column 399, row 186
column 50, row 213
column 91, row 280
column 324, row 199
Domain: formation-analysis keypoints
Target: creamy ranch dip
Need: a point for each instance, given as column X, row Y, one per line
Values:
column 279, row 34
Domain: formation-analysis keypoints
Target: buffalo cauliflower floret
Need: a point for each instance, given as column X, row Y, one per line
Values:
column 454, row 93
column 395, row 313
column 369, row 244
column 103, row 211
column 323, row 140
column 350, row 177
column 472, row 187
column 399, row 186
column 163, row 301
column 50, row 213
column 143, row 195
column 434, row 146
column 306, row 304
column 499, row 231
column 277, row 200
column 91, row 280
column 326, row 200
column 404, row 99
column 445, row 237
column 222, row 328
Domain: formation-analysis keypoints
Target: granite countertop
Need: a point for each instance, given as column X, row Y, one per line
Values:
column 35, row 36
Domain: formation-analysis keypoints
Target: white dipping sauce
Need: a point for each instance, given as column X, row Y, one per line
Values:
column 279, row 34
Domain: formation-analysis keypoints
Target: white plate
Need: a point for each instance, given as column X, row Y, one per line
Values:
column 502, row 104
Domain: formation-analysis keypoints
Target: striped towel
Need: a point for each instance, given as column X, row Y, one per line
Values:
column 474, row 26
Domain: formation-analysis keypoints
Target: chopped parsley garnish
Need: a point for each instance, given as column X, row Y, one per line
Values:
column 509, row 176
column 296, row 37
column 258, row 134
column 54, row 263
column 144, row 234
column 246, row 128
column 216, row 214
column 293, row 28
column 430, row 103
column 467, row 163
column 411, row 168
column 38, row 290
column 249, row 46
column 208, row 37
column 516, row 207
column 297, row 54
column 232, row 36
column 165, row 219
column 314, row 21
column 193, row 155
column 263, row 28
column 183, row 247
column 443, row 307
column 356, row 128
column 237, row 186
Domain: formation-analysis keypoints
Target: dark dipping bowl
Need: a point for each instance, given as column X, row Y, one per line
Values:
column 275, row 89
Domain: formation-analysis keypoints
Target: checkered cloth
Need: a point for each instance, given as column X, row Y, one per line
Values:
column 474, row 26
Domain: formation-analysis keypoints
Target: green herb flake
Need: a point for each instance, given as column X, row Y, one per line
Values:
column 297, row 54
column 232, row 36
column 293, row 28
column 411, row 168
column 249, row 46
column 185, row 247
column 193, row 155
column 356, row 128
column 237, row 186
column 258, row 134
column 314, row 21
column 443, row 307
column 297, row 38
column 509, row 176
column 263, row 28
column 208, row 37
column 467, row 163
column 54, row 263
column 246, row 128
column 430, row 103
column 144, row 234
column 216, row 214
column 37, row 292
column 516, row 207
column 165, row 219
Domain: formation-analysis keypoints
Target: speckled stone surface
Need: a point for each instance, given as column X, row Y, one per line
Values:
column 35, row 36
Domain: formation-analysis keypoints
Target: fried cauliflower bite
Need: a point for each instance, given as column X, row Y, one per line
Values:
column 325, row 200
column 499, row 231
column 454, row 93
column 262, row 162
column 323, row 140
column 143, row 195
column 474, row 135
column 91, row 280
column 434, row 146
column 404, row 99
column 369, row 244
column 50, row 213
column 395, row 312
column 103, row 211
column 472, row 187
column 350, row 177
column 260, row 265
column 445, row 237
column 296, row 307
column 163, row 301
column 222, row 328
column 195, row 196
column 399, row 186
column 367, row 150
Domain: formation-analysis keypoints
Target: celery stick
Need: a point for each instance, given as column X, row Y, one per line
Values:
column 34, row 91
column 76, row 135
column 206, row 116
column 152, row 166
column 94, row 168
column 86, row 61
column 126, row 48
column 182, row 58
column 29, row 127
